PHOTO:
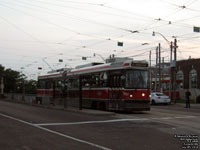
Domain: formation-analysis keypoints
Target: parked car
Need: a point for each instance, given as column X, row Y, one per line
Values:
column 159, row 98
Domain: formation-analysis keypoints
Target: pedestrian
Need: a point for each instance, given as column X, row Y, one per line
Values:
column 187, row 96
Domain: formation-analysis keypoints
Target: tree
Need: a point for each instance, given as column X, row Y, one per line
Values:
column 15, row 81
column 1, row 70
column 12, row 79
column 30, row 86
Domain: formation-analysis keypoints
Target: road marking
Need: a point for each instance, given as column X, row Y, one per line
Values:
column 57, row 133
column 110, row 121
column 91, row 122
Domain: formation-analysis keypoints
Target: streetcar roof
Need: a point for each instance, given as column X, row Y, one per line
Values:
column 109, row 66
column 50, row 76
column 85, row 69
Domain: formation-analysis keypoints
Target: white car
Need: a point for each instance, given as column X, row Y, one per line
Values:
column 159, row 98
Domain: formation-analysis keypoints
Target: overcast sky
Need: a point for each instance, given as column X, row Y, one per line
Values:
column 37, row 33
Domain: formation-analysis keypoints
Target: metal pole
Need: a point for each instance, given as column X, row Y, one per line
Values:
column 170, row 71
column 175, row 46
column 150, row 71
column 80, row 92
column 156, row 69
column 159, row 57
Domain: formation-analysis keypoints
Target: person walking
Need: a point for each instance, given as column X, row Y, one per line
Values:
column 187, row 96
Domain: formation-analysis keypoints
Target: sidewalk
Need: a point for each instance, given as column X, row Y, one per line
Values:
column 61, row 107
column 192, row 106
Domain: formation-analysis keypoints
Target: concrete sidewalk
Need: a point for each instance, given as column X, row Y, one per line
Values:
column 61, row 107
column 182, row 105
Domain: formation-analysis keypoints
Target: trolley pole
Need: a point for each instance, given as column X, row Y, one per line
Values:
column 80, row 92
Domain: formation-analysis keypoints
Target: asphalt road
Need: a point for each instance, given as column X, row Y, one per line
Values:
column 25, row 127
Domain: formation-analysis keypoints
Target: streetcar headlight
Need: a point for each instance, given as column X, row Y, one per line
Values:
column 143, row 94
column 131, row 95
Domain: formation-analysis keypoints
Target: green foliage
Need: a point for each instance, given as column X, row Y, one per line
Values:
column 11, row 80
column 14, row 81
column 30, row 86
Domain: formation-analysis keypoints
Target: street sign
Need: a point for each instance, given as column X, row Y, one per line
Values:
column 60, row 60
column 84, row 58
column 120, row 43
column 196, row 29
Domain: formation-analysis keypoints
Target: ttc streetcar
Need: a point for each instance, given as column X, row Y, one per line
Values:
column 119, row 84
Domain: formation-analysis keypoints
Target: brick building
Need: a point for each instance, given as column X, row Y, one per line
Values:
column 187, row 77
column 188, row 71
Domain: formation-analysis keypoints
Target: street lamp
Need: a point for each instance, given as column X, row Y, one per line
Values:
column 154, row 33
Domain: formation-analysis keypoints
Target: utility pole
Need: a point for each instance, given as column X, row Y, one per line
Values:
column 170, row 71
column 80, row 92
column 156, row 69
column 159, row 57
column 175, row 46
column 150, row 71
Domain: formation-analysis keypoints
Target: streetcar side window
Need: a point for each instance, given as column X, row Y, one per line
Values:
column 95, row 80
column 103, row 79
column 86, row 81
column 41, row 84
column 58, row 84
column 49, row 84
column 73, row 83
column 116, row 81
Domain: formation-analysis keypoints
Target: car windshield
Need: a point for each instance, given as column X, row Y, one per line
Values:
column 137, row 79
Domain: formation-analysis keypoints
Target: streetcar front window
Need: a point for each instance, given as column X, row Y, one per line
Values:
column 137, row 79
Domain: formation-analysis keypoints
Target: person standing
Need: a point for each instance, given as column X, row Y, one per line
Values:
column 187, row 96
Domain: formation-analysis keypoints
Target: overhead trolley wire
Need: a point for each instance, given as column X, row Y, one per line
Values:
column 41, row 19
column 91, row 10
column 78, row 33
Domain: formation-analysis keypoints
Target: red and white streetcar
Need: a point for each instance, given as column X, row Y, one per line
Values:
column 118, row 84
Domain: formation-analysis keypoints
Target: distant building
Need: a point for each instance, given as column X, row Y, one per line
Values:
column 188, row 71
column 187, row 77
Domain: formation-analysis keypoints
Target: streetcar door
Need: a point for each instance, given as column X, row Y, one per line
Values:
column 115, row 94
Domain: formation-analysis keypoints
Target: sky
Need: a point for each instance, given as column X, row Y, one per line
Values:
column 38, row 33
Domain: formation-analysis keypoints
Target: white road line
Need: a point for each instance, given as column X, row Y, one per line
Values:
column 57, row 133
column 91, row 122
column 185, row 117
column 110, row 121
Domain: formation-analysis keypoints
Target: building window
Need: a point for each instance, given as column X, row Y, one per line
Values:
column 193, row 78
column 180, row 77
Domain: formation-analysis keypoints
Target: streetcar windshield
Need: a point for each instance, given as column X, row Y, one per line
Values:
column 137, row 79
